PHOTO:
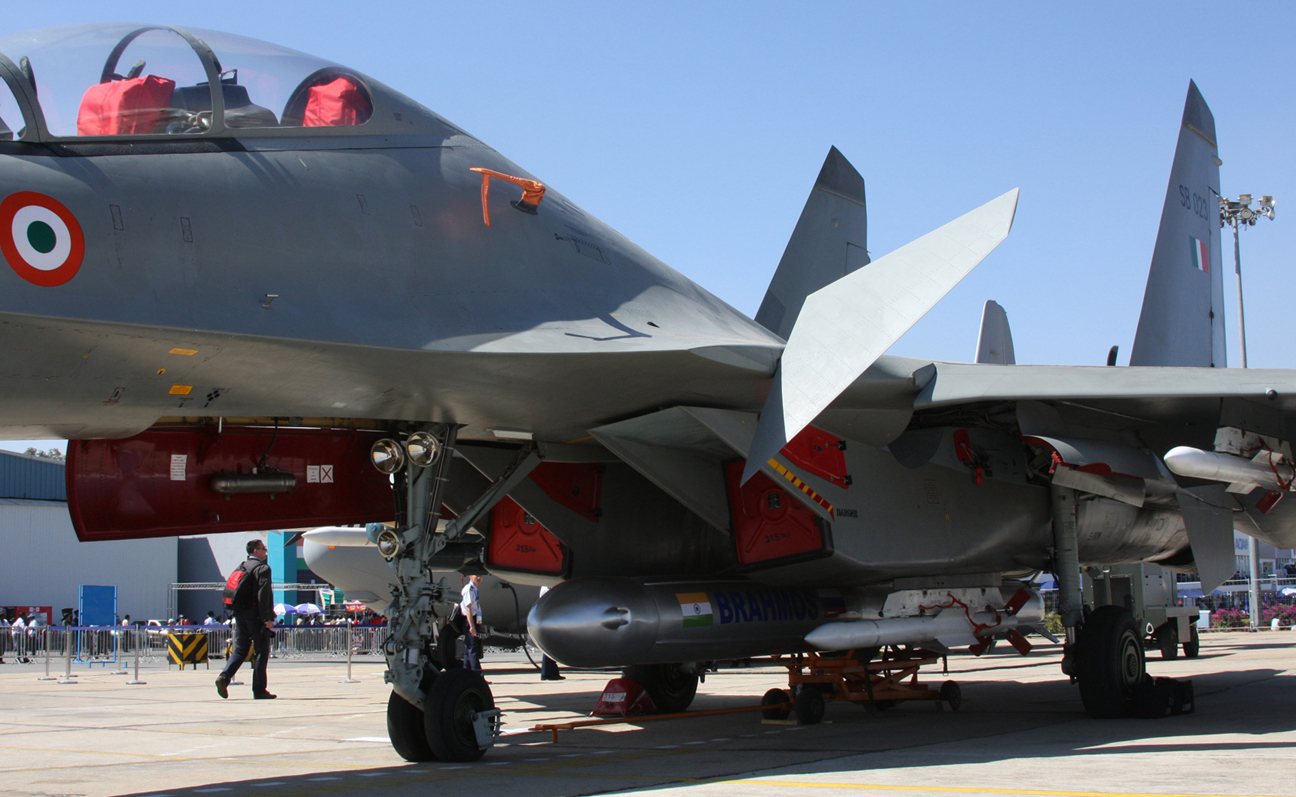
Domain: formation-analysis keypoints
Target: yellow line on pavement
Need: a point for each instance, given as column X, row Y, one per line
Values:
column 966, row 789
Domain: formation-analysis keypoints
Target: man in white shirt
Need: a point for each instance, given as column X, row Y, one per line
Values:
column 470, row 606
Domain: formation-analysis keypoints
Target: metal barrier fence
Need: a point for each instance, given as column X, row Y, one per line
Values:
column 118, row 644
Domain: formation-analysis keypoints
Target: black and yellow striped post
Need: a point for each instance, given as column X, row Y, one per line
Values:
column 185, row 649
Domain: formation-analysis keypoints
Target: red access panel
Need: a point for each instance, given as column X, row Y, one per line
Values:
column 768, row 522
column 519, row 542
column 818, row 452
column 576, row 485
column 158, row 483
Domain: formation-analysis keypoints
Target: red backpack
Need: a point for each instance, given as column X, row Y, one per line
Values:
column 238, row 587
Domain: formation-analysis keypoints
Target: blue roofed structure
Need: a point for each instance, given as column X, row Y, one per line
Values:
column 23, row 476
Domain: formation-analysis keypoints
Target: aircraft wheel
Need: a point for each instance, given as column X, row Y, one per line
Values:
column 1167, row 637
column 405, row 729
column 1193, row 646
column 951, row 695
column 772, row 698
column 1109, row 662
column 448, row 715
column 809, row 706
column 671, row 687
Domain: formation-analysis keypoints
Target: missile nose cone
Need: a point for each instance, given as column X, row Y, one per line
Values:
column 595, row 622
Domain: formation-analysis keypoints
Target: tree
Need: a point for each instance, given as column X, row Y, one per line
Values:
column 52, row 453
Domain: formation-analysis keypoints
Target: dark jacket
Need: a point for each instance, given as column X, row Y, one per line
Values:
column 262, row 588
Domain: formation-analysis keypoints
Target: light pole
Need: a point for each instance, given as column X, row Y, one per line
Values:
column 1238, row 213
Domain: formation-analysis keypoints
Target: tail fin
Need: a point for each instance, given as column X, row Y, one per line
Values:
column 1182, row 322
column 994, row 344
column 830, row 241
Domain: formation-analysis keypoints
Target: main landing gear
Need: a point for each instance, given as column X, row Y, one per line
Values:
column 436, row 710
column 1109, row 667
column 1109, row 664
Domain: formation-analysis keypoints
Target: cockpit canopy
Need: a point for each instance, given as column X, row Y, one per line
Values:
column 147, row 80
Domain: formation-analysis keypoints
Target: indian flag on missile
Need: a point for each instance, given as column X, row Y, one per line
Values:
column 1200, row 254
column 696, row 608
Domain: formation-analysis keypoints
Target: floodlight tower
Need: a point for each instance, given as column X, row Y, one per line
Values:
column 1238, row 213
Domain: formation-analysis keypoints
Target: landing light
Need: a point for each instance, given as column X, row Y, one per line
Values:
column 389, row 544
column 423, row 449
column 387, row 456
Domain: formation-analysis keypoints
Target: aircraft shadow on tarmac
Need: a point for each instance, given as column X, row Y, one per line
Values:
column 1000, row 721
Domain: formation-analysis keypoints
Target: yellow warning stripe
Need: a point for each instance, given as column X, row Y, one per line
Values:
column 187, row 648
column 959, row 789
column 802, row 486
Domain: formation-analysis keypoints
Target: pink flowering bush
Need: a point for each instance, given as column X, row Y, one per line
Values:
column 1286, row 614
column 1229, row 618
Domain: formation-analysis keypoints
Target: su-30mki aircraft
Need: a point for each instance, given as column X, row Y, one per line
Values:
column 257, row 289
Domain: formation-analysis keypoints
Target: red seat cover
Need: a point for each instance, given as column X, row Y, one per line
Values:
column 340, row 103
column 125, row 107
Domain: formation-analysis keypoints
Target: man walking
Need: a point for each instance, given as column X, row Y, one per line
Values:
column 470, row 606
column 253, row 605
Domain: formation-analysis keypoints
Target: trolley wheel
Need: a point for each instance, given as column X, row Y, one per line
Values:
column 809, row 706
column 671, row 687
column 772, row 698
column 1109, row 662
column 1167, row 638
column 1193, row 646
column 405, row 729
column 447, row 717
column 951, row 695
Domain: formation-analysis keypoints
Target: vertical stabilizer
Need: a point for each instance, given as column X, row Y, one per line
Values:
column 830, row 241
column 994, row 344
column 1182, row 322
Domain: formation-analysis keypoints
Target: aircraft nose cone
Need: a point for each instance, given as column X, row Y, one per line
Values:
column 595, row 622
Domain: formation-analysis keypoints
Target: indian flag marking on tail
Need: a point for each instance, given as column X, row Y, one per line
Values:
column 696, row 608
column 1200, row 254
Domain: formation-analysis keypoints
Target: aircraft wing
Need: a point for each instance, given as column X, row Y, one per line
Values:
column 1138, row 388
column 1164, row 407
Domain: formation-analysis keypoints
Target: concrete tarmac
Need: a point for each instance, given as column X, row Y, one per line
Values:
column 1021, row 731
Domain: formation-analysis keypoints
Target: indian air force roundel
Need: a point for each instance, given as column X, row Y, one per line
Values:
column 40, row 239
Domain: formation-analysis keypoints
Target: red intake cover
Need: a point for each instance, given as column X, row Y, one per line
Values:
column 519, row 542
column 156, row 483
column 768, row 522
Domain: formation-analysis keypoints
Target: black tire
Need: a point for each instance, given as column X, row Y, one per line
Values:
column 951, row 695
column 671, row 687
column 405, row 729
column 809, row 706
column 447, row 714
column 1192, row 647
column 772, row 698
column 1167, row 637
column 1109, row 662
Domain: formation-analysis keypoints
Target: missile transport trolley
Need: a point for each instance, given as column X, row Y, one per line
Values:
column 878, row 683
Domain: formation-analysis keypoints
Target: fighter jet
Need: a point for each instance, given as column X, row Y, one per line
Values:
column 255, row 288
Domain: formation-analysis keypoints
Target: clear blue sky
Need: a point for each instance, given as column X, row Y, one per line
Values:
column 697, row 130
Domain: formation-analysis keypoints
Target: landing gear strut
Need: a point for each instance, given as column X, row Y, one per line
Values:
column 433, row 713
